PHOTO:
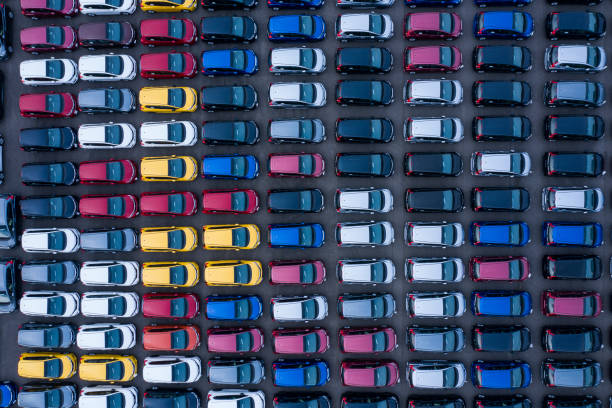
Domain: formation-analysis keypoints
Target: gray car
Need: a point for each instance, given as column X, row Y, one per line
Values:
column 107, row 100
column 47, row 396
column 235, row 372
column 109, row 240
column 50, row 272
column 8, row 221
column 45, row 335
column 8, row 297
column 297, row 60
column 366, row 306
column 575, row 58
column 296, row 131
column 443, row 339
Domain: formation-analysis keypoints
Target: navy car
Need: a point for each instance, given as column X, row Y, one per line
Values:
column 230, row 166
column 47, row 139
column 501, row 374
column 582, row 94
column 579, row 25
column 587, row 267
column 300, row 373
column 502, row 401
column 47, row 396
column 364, row 165
column 516, row 3
column 230, row 132
column 572, row 339
column 426, row 200
column 576, row 234
column 566, row 164
column 500, row 199
column 296, row 27
column 501, row 93
column 510, row 25
column 235, row 308
column 8, row 222
column 301, row 400
column 213, row 5
column 432, row 3
column 501, row 58
column 364, row 93
column 59, row 206
column 228, row 97
column 499, row 233
column 501, row 128
column 220, row 29
column 295, row 4
column 571, row 373
column 369, row 400
column 295, row 201
column 45, row 335
column 500, row 303
column 50, row 272
column 106, row 100
column 363, row 60
column 507, row 339
column 427, row 164
column 574, row 127
column 8, row 291
column 364, row 130
column 296, row 235
column 165, row 398
column 49, row 174
column 229, row 62
column 577, row 401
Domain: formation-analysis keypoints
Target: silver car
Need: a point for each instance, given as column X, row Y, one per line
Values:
column 575, row 58
column 439, row 92
column 296, row 131
column 446, row 339
column 297, row 60
column 49, row 71
column 440, row 130
column 235, row 372
column 107, row 67
column 370, row 306
column 299, row 308
column 364, row 26
column 572, row 199
column 443, row 270
column 435, row 304
column 366, row 233
column 508, row 164
column 434, row 234
column 106, row 336
column 107, row 136
column 297, row 95
column 365, row 200
column 365, row 271
column 436, row 374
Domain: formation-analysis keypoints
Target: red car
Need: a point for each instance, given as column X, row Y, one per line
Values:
column 300, row 341
column 432, row 25
column 234, row 340
column 167, row 31
column 48, row 38
column 168, row 203
column 571, row 303
column 164, row 337
column 296, row 165
column 508, row 268
column 432, row 58
column 107, row 172
column 369, row 373
column 236, row 201
column 46, row 8
column 168, row 65
column 47, row 105
column 108, row 206
column 170, row 305
column 367, row 339
column 297, row 272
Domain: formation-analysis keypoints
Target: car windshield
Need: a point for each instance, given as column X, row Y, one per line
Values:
column 242, row 274
column 52, row 368
column 375, row 200
column 176, row 97
column 515, row 234
column 311, row 376
column 55, row 35
column 376, row 57
column 56, row 306
column 113, row 338
column 449, row 305
column 448, row 128
column 377, row 233
column 115, row 400
column 240, row 237
column 518, row 21
column 112, row 98
column 238, row 58
column 242, row 309
column 448, row 271
column 307, row 93
column 55, row 273
column 176, row 239
column 178, row 340
column 176, row 132
column 176, row 62
column 305, row 203
column 450, row 377
column 113, row 64
column 592, row 21
column 114, row 3
column 517, row 377
column 245, row 373
column 176, row 28
column 54, row 69
column 377, row 305
column 376, row 164
column 239, row 201
column 379, row 341
column 310, row 342
column 116, row 306
column 178, row 275
column 56, row 173
column 178, row 307
column 377, row 24
column 446, row 22
column 381, row 375
column 56, row 240
column 447, row 90
column 54, row 137
column 515, row 269
column 179, row 401
column 306, row 237
column 114, row 171
column 114, row 371
column 244, row 341
column 591, row 91
column 306, row 129
column 310, row 309
column 238, row 26
column 307, row 58
column 116, row 206
column 240, row 131
column 307, row 25
column 448, row 234
column 589, row 199
column 307, row 273
column 516, row 304
column 306, row 164
column 53, row 398
column 113, row 31
column 377, row 271
column 376, row 129
column 446, row 56
column 246, row 402
column 54, row 103
column 113, row 134
column 176, row 168
column 376, row 90
column 115, row 240
column 176, row 203
column 116, row 274
column 180, row 372
column 238, row 95
column 55, row 4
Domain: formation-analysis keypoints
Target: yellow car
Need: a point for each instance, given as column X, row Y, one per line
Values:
column 232, row 236
column 168, row 99
column 232, row 273
column 168, row 239
column 108, row 367
column 47, row 365
column 168, row 6
column 168, row 168
column 170, row 274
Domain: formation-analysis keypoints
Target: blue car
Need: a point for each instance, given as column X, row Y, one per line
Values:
column 576, row 234
column 503, row 24
column 7, row 394
column 516, row 3
column 295, row 4
column 229, row 62
column 230, row 166
column 296, row 235
column 223, row 307
column 296, row 28
column 500, row 303
column 300, row 373
column 499, row 233
column 432, row 3
column 501, row 374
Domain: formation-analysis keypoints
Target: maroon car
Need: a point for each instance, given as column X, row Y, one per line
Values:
column 508, row 268
column 369, row 373
column 432, row 25
column 300, row 341
column 163, row 65
column 167, row 31
column 235, row 201
column 48, row 38
column 170, row 305
column 47, row 105
column 234, row 340
column 571, row 303
column 432, row 58
column 108, row 34
column 301, row 272
column 367, row 339
column 108, row 206
column 49, row 8
column 168, row 203
column 107, row 172
column 296, row 165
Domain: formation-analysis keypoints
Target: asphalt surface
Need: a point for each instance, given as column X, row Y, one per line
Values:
column 329, row 253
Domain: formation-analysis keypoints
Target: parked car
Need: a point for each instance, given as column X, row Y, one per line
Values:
column 50, row 240
column 168, row 239
column 47, row 105
column 236, row 201
column 109, row 273
column 107, row 67
column 432, row 58
column 232, row 308
column 61, row 71
column 60, row 366
column 572, row 267
column 501, row 128
column 234, row 340
column 438, row 374
column 369, row 373
column 435, row 129
column 572, row 199
column 508, row 375
column 49, row 174
column 167, row 31
column 170, row 305
column 295, row 201
column 109, row 240
column 571, row 303
column 107, row 172
column 50, row 272
column 364, row 93
column 106, row 336
column 290, row 95
column 436, row 92
column 48, row 207
column 106, row 34
column 427, row 402
column 369, row 200
column 8, row 227
column 229, row 62
column 572, row 339
column 369, row 400
column 235, row 372
column 299, row 308
column 295, row 165
column 102, row 8
column 296, row 60
column 230, row 132
column 364, row 60
column 168, row 99
column 296, row 131
column 108, row 206
column 443, row 270
column 168, row 203
column 297, row 272
column 427, row 200
column 372, row 26
column 433, row 234
column 581, row 94
column 426, row 164
column 40, row 395
column 172, row 369
column 368, row 130
column 65, row 8
column 509, row 268
column 435, row 304
column 569, row 164
column 301, row 400
column 574, row 127
column 581, row 25
column 170, row 274
column 501, row 58
column 295, row 4
column 106, row 100
column 438, row 339
column 516, row 25
column 432, row 25
column 500, row 199
column 47, row 38
column 232, row 273
column 213, row 5
column 168, row 168
column 217, row 399
column 154, row 397
column 367, row 339
column 6, row 47
column 365, row 271
column 499, row 303
column 45, row 335
column 296, row 235
column 506, row 339
column 162, row 65
column 571, row 374
column 499, row 233
column 110, row 304
column 230, row 236
column 368, row 233
column 364, row 165
column 300, row 341
column 104, row 394
column 298, row 373
column 490, row 401
column 563, row 234
column 574, row 58
column 217, row 29
column 168, row 134
column 228, row 98
column 49, row 303
column 106, row 136
column 583, row 401
column 371, row 306
column 47, row 139
column 501, row 93
column 296, row 27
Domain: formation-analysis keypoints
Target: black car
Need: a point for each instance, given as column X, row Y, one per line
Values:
column 501, row 58
column 213, row 5
column 364, row 93
column 230, row 132
column 576, row 2
column 580, row 25
column 507, row 339
column 501, row 128
column 47, row 139
column 497, row 401
column 228, row 97
column 47, row 396
column 447, row 200
column 45, row 335
column 301, row 400
column 364, row 165
column 8, row 221
column 8, row 296
column 562, row 164
column 370, row 130
column 582, row 94
column 105, row 35
column 6, row 48
column 574, row 127
column 500, row 199
column 572, row 267
column 501, row 93
column 228, row 29
column 574, row 401
column 166, row 398
column 60, row 206
column 436, row 402
column 432, row 164
column 364, row 60
column 49, row 174
column 106, row 100
column 369, row 400
column 571, row 339
column 50, row 272
column 295, row 201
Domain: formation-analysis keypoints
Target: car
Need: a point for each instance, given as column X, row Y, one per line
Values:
column 369, row 373
column 47, row 105
column 35, row 10
column 500, row 199
column 426, row 402
column 574, row 58
column 109, row 240
column 432, row 25
column 574, row 127
column 229, row 62
column 572, row 234
column 365, row 271
column 228, row 98
column 168, row 99
column 501, row 58
column 168, row 168
column 217, row 29
column 236, row 398
column 432, row 58
column 571, row 339
column 109, row 273
column 369, row 400
column 433, row 234
column 296, row 27
column 49, row 174
column 170, row 305
column 106, row 7
column 233, row 308
column 234, row 372
column 364, row 93
column 427, row 200
column 47, row 139
column 49, row 303
column 571, row 303
column 358, row 60
column 47, row 272
column 570, row 164
column 298, row 272
column 107, row 368
column 427, row 164
column 296, row 60
column 364, row 130
column 231, row 236
column 302, row 235
column 171, row 337
column 372, row 26
column 170, row 274
column 232, row 273
column 443, row 270
column 296, row 131
column 168, row 239
column 438, row 374
column 297, row 95
column 434, row 129
column 234, row 340
column 110, row 304
column 295, row 201
column 509, row 268
column 50, row 71
column 506, row 339
column 364, row 165
column 368, row 233
column 48, row 207
column 48, row 38
column 108, row 206
column 154, row 397
column 435, row 304
column 501, row 128
column 300, row 341
column 511, row 25
column 172, row 369
column 8, row 297
column 499, row 233
column 490, row 401
column 298, row 308
column 106, row 100
column 8, row 227
column 179, row 203
column 296, row 165
column 40, row 395
column 371, row 306
column 501, row 93
column 571, row 374
column 168, row 31
column 45, row 335
column 582, row 401
column 213, row 5
column 300, row 373
column 572, row 199
column 500, row 163
column 507, row 375
column 437, row 92
column 47, row 365
column 582, row 94
column 230, row 132
column 106, row 136
column 301, row 400
column 367, row 339
column 440, row 339
column 110, row 34
column 107, row 67
column 582, row 25
column 50, row 240
column 572, row 267
column 366, row 200
column 107, row 172
column 6, row 48
column 235, row 201
column 168, row 134
column 103, row 394
column 170, row 65
column 499, row 303
column 106, row 336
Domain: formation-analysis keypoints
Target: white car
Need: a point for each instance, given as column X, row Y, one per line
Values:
column 51, row 240
column 364, row 26
column 107, row 67
column 439, row 92
column 299, row 308
column 106, row 336
column 172, row 369
column 366, row 200
column 439, row 130
column 236, row 399
column 107, row 7
column 368, row 233
column 435, row 304
column 434, row 234
column 442, row 270
column 50, row 71
column 501, row 164
column 107, row 136
column 110, row 304
column 110, row 273
column 104, row 396
column 365, row 271
column 572, row 199
column 297, row 95
column 49, row 303
column 168, row 134
column 436, row 374
column 297, row 60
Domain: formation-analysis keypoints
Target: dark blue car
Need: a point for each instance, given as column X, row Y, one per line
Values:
column 295, row 4
column 296, row 235
column 230, row 166
column 499, row 233
column 432, row 3
column 7, row 394
column 237, row 308
column 501, row 374
column 516, row 3
column 503, row 24
column 229, row 62
column 301, row 373
column 500, row 303
column 296, row 28
column 576, row 234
